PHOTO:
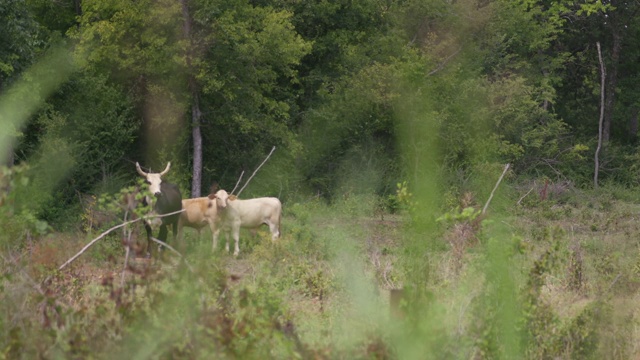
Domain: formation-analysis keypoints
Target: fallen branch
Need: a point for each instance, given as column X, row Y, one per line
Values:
column 107, row 232
column 94, row 241
column 484, row 209
column 265, row 160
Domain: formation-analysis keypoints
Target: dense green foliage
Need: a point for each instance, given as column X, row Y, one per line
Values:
column 377, row 109
column 329, row 84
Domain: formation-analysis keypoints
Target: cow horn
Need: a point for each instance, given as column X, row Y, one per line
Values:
column 140, row 170
column 166, row 170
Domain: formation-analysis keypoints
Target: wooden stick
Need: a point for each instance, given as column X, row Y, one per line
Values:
column 484, row 210
column 444, row 62
column 108, row 231
column 265, row 160
column 94, row 241
column 525, row 195
column 238, row 182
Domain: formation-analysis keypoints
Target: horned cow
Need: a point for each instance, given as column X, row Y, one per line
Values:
column 168, row 199
column 250, row 213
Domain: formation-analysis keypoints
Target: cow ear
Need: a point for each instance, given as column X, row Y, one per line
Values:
column 233, row 197
column 212, row 196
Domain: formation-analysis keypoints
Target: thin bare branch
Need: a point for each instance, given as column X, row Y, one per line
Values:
column 265, row 160
column 613, row 283
column 525, row 195
column 484, row 209
column 238, row 182
column 94, row 241
column 444, row 62
column 107, row 232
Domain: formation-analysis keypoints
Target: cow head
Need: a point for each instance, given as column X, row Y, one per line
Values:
column 153, row 179
column 222, row 198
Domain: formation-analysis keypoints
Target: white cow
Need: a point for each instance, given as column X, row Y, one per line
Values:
column 251, row 213
column 198, row 213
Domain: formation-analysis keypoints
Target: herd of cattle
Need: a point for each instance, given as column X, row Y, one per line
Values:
column 219, row 211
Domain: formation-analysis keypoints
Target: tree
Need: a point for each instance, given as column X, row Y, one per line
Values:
column 18, row 39
column 248, row 76
column 196, row 113
column 55, row 17
column 19, row 44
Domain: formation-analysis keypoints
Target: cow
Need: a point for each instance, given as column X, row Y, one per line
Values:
column 168, row 199
column 198, row 213
column 251, row 213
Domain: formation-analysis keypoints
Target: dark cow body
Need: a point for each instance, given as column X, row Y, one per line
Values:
column 168, row 199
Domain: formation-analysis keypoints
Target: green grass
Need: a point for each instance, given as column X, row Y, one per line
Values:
column 552, row 279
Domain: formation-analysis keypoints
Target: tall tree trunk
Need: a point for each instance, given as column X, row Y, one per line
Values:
column 603, row 78
column 545, row 75
column 77, row 5
column 196, row 114
column 612, row 82
column 196, row 181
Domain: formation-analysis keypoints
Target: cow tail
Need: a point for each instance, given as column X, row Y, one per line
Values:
column 279, row 219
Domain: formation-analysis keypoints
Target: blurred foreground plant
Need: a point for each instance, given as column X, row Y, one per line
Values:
column 18, row 219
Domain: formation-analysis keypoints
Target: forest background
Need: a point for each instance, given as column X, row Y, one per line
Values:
column 415, row 105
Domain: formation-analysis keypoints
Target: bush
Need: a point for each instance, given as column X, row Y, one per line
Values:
column 18, row 218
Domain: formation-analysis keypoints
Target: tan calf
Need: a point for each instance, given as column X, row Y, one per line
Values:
column 198, row 213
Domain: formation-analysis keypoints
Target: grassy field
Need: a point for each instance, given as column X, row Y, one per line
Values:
column 553, row 276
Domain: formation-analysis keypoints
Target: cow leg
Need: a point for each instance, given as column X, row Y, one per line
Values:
column 175, row 239
column 174, row 230
column 162, row 236
column 180, row 232
column 236, row 238
column 214, row 233
column 180, row 237
column 275, row 232
column 149, row 248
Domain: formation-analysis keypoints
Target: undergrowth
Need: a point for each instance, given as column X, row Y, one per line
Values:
column 551, row 279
